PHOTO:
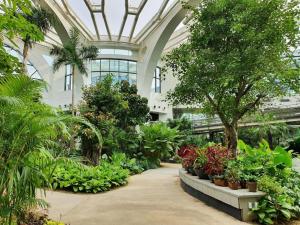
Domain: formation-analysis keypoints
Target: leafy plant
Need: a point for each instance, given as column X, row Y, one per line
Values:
column 73, row 53
column 81, row 178
column 159, row 141
column 233, row 172
column 217, row 157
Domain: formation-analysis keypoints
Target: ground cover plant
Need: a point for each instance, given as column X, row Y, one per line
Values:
column 78, row 177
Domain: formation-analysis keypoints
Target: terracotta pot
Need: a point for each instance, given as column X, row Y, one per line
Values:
column 252, row 186
column 220, row 182
column 234, row 185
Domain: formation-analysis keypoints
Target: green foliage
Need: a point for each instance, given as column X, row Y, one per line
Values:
column 273, row 171
column 184, row 125
column 80, row 178
column 159, row 141
column 137, row 111
column 233, row 171
column 73, row 53
column 274, row 133
column 115, row 109
column 28, row 128
column 234, row 58
column 282, row 202
column 12, row 25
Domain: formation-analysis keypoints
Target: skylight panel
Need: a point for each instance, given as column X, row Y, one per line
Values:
column 81, row 10
column 114, row 11
column 134, row 3
column 150, row 9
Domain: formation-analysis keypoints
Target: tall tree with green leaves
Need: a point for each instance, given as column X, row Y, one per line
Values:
column 238, row 54
column 14, row 24
column 73, row 53
column 41, row 18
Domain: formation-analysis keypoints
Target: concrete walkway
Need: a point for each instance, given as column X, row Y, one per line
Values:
column 151, row 198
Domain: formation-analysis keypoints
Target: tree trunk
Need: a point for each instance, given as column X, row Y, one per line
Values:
column 231, row 138
column 25, row 57
column 73, row 90
column 270, row 139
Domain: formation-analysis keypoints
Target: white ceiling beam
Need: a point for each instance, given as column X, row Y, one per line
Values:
column 89, row 6
column 141, row 6
column 124, row 20
column 104, row 18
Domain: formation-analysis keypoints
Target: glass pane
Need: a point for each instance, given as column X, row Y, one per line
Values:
column 114, row 65
column 123, row 66
column 157, row 72
column 95, row 80
column 95, row 74
column 132, row 67
column 68, row 69
column 123, row 76
column 104, row 65
column 153, row 85
column 132, row 78
column 107, row 51
column 158, row 87
column 96, row 65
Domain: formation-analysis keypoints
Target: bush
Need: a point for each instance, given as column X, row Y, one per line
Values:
column 81, row 178
column 159, row 141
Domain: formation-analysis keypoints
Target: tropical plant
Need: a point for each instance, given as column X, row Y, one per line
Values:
column 73, row 53
column 159, row 141
column 27, row 129
column 41, row 18
column 233, row 59
column 81, row 178
column 233, row 171
column 217, row 158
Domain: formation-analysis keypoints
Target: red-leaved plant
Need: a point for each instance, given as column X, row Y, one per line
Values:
column 188, row 153
column 217, row 156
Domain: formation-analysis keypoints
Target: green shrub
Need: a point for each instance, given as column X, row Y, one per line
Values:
column 81, row 178
column 159, row 141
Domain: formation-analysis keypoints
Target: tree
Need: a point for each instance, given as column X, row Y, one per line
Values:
column 15, row 24
column 115, row 109
column 137, row 112
column 42, row 19
column 238, row 54
column 73, row 53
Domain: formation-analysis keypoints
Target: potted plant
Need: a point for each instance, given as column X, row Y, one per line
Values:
column 200, row 163
column 217, row 157
column 251, row 182
column 233, row 175
column 188, row 155
column 219, row 180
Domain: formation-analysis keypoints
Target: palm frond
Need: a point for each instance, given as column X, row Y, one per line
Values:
column 88, row 52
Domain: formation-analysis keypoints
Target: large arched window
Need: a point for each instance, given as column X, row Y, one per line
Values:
column 32, row 71
column 120, row 69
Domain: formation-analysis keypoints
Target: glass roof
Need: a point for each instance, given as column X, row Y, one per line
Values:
column 115, row 19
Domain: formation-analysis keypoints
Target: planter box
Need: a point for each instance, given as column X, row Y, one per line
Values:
column 237, row 203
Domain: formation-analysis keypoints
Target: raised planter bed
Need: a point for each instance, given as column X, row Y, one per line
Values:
column 237, row 203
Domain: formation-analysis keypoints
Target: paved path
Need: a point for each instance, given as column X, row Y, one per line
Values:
column 151, row 198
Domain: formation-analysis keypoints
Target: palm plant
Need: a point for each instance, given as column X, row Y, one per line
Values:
column 28, row 128
column 73, row 53
column 41, row 18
